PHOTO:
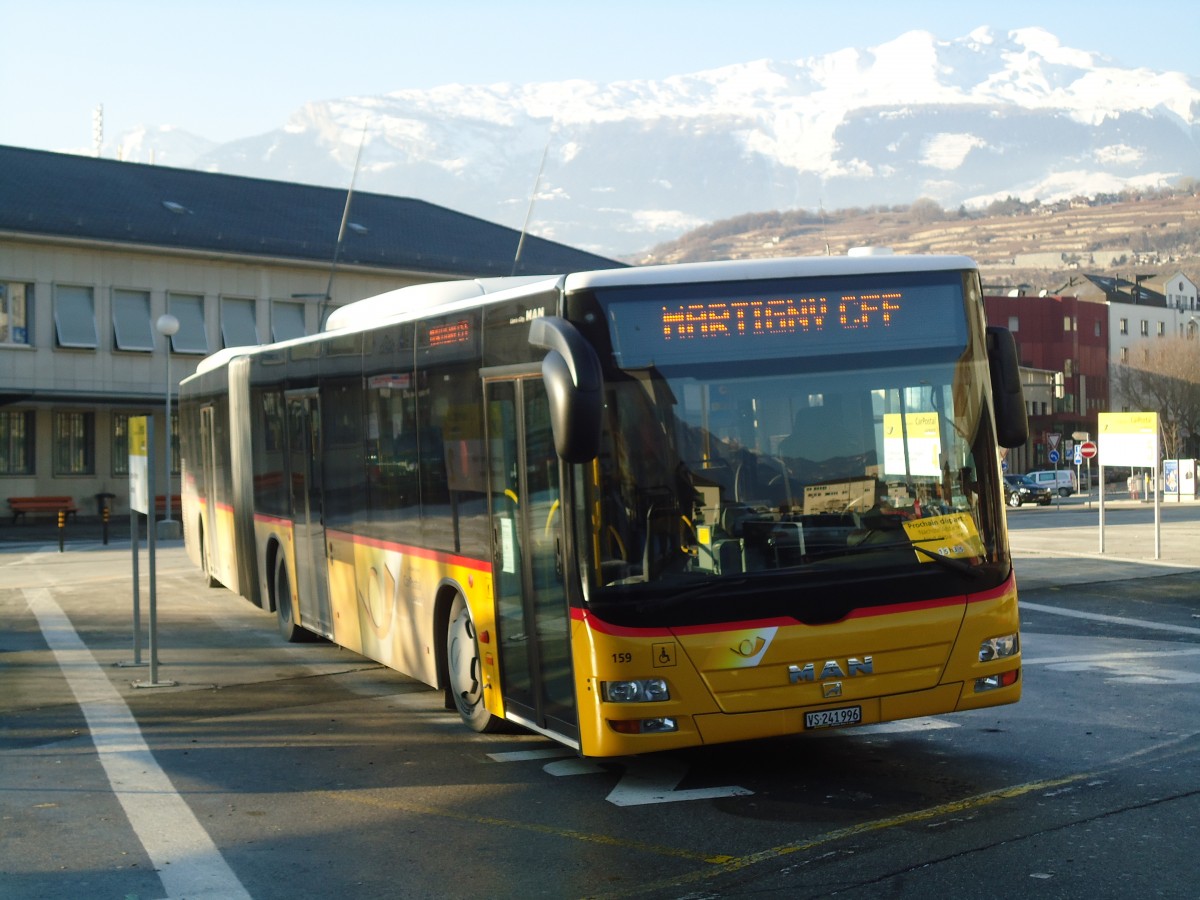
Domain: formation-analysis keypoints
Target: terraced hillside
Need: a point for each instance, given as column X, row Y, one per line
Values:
column 1040, row 247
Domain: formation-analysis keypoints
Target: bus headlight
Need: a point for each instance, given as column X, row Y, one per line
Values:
column 999, row 647
column 646, row 690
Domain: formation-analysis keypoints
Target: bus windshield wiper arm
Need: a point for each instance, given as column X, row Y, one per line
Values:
column 948, row 562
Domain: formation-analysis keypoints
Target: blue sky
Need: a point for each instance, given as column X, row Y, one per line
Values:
column 225, row 70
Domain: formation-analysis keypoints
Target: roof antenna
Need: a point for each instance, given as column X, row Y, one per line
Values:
column 98, row 131
column 533, row 196
column 337, row 248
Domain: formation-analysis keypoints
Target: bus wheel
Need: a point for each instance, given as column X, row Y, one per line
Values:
column 208, row 576
column 462, row 662
column 291, row 632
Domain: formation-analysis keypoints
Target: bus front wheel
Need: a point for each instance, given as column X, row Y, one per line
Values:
column 463, row 669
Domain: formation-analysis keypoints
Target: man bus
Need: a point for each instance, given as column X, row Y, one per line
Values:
column 634, row 509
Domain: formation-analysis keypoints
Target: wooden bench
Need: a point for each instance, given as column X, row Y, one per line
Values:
column 20, row 506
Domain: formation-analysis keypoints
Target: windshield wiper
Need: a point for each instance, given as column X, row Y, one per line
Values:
column 948, row 562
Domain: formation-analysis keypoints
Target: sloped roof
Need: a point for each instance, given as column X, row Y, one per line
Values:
column 1121, row 290
column 60, row 195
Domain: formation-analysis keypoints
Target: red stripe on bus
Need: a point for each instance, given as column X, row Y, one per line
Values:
column 272, row 520
column 419, row 552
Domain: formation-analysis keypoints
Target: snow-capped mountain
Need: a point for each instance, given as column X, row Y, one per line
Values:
column 629, row 164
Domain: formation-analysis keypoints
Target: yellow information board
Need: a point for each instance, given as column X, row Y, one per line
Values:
column 139, row 467
column 1128, row 439
column 912, row 444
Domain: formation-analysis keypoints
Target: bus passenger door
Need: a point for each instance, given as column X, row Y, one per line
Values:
column 527, row 523
column 304, row 469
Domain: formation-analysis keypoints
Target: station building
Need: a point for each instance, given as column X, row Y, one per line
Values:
column 94, row 251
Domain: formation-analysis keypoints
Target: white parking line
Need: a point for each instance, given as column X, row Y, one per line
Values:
column 1112, row 620
column 184, row 856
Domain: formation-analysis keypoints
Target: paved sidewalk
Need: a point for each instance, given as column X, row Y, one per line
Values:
column 1071, row 554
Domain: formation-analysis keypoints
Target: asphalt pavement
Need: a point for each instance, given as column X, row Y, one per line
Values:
column 1064, row 543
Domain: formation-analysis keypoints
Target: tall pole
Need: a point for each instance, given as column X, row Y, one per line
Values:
column 167, row 326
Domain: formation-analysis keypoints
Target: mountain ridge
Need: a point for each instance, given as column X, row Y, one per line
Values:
column 631, row 163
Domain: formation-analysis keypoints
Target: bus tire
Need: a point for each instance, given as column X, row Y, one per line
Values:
column 284, row 612
column 209, row 580
column 464, row 678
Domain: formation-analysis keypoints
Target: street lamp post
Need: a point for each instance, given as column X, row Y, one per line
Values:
column 167, row 326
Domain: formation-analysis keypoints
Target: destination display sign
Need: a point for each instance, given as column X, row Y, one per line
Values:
column 799, row 317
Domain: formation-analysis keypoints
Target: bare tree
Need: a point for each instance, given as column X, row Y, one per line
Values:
column 1163, row 376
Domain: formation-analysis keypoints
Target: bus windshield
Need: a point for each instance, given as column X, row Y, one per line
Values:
column 719, row 467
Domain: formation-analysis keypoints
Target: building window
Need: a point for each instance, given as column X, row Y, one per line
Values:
column 1124, row 326
column 1145, row 328
column 16, row 442
column 131, row 321
column 15, row 300
column 74, row 443
column 120, row 442
column 1098, row 329
column 238, row 325
column 192, row 336
column 75, row 317
column 1068, row 368
column 1068, row 323
column 1014, row 324
column 1124, row 354
column 287, row 320
column 1162, row 329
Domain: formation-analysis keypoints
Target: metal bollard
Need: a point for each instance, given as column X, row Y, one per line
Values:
column 62, row 528
column 104, row 524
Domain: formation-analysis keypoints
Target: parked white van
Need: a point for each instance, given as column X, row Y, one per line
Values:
column 1060, row 480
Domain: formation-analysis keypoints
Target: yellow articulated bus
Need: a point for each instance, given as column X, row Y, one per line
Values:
column 634, row 509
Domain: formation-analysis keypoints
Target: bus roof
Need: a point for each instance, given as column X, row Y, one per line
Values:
column 754, row 269
column 221, row 358
column 422, row 297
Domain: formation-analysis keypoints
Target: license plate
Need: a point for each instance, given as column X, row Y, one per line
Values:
column 832, row 718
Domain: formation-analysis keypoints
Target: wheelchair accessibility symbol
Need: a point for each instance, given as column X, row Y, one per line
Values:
column 664, row 654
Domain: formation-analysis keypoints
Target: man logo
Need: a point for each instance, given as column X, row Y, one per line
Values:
column 831, row 670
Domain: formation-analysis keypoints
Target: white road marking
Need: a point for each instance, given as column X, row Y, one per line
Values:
column 653, row 780
column 1130, row 667
column 525, row 755
column 1112, row 620
column 184, row 856
column 900, row 726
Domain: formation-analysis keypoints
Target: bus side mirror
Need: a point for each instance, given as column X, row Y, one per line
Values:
column 574, row 386
column 1008, row 401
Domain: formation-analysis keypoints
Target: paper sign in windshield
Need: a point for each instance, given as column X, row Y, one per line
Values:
column 954, row 536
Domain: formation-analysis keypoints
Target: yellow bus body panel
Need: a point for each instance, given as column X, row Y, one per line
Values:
column 743, row 683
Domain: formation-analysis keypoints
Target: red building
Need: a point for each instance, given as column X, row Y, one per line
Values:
column 1068, row 336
